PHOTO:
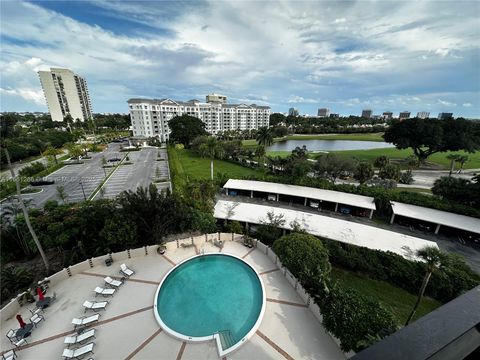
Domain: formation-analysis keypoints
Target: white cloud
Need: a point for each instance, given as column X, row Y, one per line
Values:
column 446, row 103
column 467, row 104
column 240, row 48
column 31, row 95
column 294, row 99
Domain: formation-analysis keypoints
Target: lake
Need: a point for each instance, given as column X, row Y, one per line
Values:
column 328, row 145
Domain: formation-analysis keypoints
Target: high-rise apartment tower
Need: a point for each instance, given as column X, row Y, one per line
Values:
column 66, row 94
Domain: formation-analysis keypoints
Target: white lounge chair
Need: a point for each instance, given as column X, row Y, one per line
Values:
column 20, row 342
column 9, row 355
column 11, row 335
column 105, row 292
column 78, row 339
column 85, row 320
column 76, row 354
column 95, row 306
column 112, row 283
column 126, row 271
column 36, row 318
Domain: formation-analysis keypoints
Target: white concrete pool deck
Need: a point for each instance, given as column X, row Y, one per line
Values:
column 128, row 330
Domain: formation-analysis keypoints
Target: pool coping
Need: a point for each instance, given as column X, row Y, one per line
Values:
column 215, row 337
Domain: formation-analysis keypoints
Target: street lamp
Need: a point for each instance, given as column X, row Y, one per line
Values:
column 83, row 191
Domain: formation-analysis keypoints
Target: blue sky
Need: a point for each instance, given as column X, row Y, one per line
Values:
column 347, row 56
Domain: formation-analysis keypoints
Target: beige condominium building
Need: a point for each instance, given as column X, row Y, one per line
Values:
column 66, row 94
column 150, row 117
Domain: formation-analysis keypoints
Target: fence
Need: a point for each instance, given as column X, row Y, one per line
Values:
column 14, row 305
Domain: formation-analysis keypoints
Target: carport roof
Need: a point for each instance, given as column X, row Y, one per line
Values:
column 360, row 201
column 456, row 221
column 331, row 228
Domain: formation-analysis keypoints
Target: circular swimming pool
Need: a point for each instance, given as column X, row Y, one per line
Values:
column 211, row 294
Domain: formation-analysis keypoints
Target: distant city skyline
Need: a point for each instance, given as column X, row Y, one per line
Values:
column 344, row 56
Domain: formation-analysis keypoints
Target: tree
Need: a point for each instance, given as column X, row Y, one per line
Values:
column 74, row 151
column 433, row 259
column 260, row 153
column 185, row 128
column 270, row 228
column 331, row 166
column 427, row 137
column 363, row 172
column 62, row 194
column 390, row 171
column 457, row 189
column 462, row 160
column 4, row 133
column 51, row 151
column 212, row 148
column 264, row 136
column 305, row 256
column 381, row 161
column 453, row 159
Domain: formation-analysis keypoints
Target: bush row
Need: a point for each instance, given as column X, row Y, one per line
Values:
column 353, row 318
column 382, row 196
column 456, row 277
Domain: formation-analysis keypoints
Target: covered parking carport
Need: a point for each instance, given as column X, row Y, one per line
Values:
column 345, row 231
column 336, row 201
column 465, row 227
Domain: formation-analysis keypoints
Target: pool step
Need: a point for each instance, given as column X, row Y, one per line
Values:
column 226, row 339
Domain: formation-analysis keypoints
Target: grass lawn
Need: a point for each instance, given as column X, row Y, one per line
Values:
column 393, row 153
column 399, row 301
column 186, row 164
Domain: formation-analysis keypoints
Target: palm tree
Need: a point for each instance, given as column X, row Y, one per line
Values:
column 62, row 194
column 462, row 160
column 264, row 136
column 433, row 259
column 74, row 151
column 51, row 151
column 453, row 158
column 212, row 148
column 24, row 208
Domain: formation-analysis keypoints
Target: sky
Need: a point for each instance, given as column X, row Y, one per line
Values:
column 345, row 56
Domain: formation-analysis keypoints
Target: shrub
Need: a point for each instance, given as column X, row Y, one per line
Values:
column 354, row 318
column 445, row 285
column 406, row 177
column 305, row 256
column 234, row 227
column 14, row 278
column 390, row 171
column 32, row 169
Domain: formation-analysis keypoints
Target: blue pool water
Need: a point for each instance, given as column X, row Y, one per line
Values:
column 211, row 293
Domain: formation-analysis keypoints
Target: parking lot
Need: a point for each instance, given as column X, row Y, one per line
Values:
column 79, row 181
column 140, row 173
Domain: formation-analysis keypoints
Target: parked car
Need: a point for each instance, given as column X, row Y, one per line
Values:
column 345, row 210
column 40, row 182
column 314, row 204
column 272, row 197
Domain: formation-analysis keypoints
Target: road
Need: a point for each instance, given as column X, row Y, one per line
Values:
column 17, row 166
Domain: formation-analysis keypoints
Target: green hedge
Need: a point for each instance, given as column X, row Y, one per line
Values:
column 456, row 277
